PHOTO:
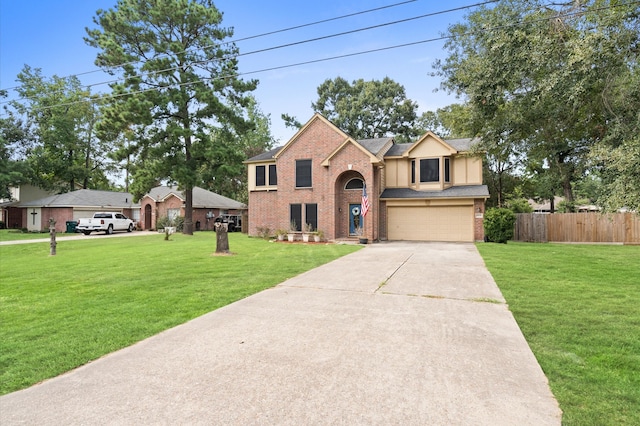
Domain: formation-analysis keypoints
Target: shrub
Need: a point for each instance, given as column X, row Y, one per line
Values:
column 264, row 232
column 498, row 225
column 519, row 205
column 165, row 221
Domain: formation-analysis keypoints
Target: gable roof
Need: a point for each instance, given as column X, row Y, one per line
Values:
column 463, row 191
column 316, row 117
column 202, row 198
column 372, row 157
column 84, row 198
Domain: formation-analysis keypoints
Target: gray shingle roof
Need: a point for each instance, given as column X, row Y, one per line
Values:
column 397, row 149
column 374, row 145
column 202, row 198
column 265, row 155
column 462, row 144
column 466, row 191
column 84, row 198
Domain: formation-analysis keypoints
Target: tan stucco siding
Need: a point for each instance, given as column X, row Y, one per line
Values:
column 251, row 176
column 467, row 170
column 430, row 147
column 397, row 173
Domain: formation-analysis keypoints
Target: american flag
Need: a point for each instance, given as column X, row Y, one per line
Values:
column 365, row 202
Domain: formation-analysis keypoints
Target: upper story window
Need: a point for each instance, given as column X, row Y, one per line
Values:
column 303, row 173
column 413, row 171
column 355, row 183
column 273, row 176
column 447, row 170
column 430, row 170
column 262, row 177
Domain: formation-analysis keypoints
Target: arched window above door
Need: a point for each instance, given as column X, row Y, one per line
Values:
column 355, row 183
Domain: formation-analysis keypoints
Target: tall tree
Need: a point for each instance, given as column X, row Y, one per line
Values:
column 177, row 77
column 225, row 173
column 532, row 73
column 366, row 109
column 64, row 152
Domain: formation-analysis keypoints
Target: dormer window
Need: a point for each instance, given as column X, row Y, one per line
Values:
column 430, row 170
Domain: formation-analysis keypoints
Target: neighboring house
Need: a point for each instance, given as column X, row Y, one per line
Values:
column 168, row 201
column 429, row 190
column 11, row 215
column 71, row 206
column 545, row 206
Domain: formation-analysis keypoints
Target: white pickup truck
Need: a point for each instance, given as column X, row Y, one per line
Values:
column 105, row 221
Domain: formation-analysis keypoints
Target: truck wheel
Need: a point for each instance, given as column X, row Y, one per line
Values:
column 130, row 227
column 110, row 230
column 86, row 232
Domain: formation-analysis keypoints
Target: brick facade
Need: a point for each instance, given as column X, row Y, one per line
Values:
column 335, row 159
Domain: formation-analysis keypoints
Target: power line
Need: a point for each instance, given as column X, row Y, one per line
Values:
column 488, row 29
column 295, row 27
column 297, row 43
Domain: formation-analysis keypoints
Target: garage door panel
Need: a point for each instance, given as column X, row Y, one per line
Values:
column 442, row 223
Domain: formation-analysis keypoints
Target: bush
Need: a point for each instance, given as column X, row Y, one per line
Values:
column 164, row 222
column 519, row 205
column 498, row 225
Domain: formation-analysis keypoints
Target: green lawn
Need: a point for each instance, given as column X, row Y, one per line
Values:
column 579, row 308
column 101, row 294
column 16, row 234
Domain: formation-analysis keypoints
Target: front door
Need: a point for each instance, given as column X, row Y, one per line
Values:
column 354, row 218
column 147, row 216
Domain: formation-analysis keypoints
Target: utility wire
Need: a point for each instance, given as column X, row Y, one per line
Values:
column 488, row 29
column 296, row 43
column 245, row 38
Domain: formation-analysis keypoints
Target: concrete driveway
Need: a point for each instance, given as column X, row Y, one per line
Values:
column 396, row 333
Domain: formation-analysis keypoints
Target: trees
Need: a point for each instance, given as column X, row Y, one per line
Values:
column 13, row 169
column 225, row 172
column 61, row 151
column 532, row 76
column 177, row 80
column 365, row 109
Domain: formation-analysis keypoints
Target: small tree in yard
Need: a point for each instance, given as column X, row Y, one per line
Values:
column 498, row 225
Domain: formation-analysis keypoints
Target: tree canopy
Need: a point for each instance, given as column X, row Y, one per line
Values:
column 56, row 131
column 177, row 82
column 543, row 85
column 365, row 109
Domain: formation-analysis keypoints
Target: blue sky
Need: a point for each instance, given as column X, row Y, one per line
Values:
column 49, row 35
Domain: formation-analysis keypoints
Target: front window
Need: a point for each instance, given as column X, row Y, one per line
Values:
column 295, row 217
column 413, row 171
column 260, row 176
column 303, row 173
column 430, row 170
column 173, row 213
column 311, row 216
column 355, row 183
column 273, row 176
column 447, row 170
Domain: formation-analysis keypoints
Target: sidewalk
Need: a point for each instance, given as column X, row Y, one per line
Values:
column 396, row 333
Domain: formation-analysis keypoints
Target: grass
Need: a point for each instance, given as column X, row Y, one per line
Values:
column 579, row 308
column 99, row 295
column 16, row 234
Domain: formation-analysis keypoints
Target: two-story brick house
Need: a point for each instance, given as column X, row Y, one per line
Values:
column 429, row 190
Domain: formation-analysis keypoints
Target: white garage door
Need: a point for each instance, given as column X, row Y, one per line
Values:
column 452, row 223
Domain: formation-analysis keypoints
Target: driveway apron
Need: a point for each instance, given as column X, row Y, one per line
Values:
column 396, row 333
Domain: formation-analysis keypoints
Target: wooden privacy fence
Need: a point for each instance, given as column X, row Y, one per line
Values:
column 578, row 228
